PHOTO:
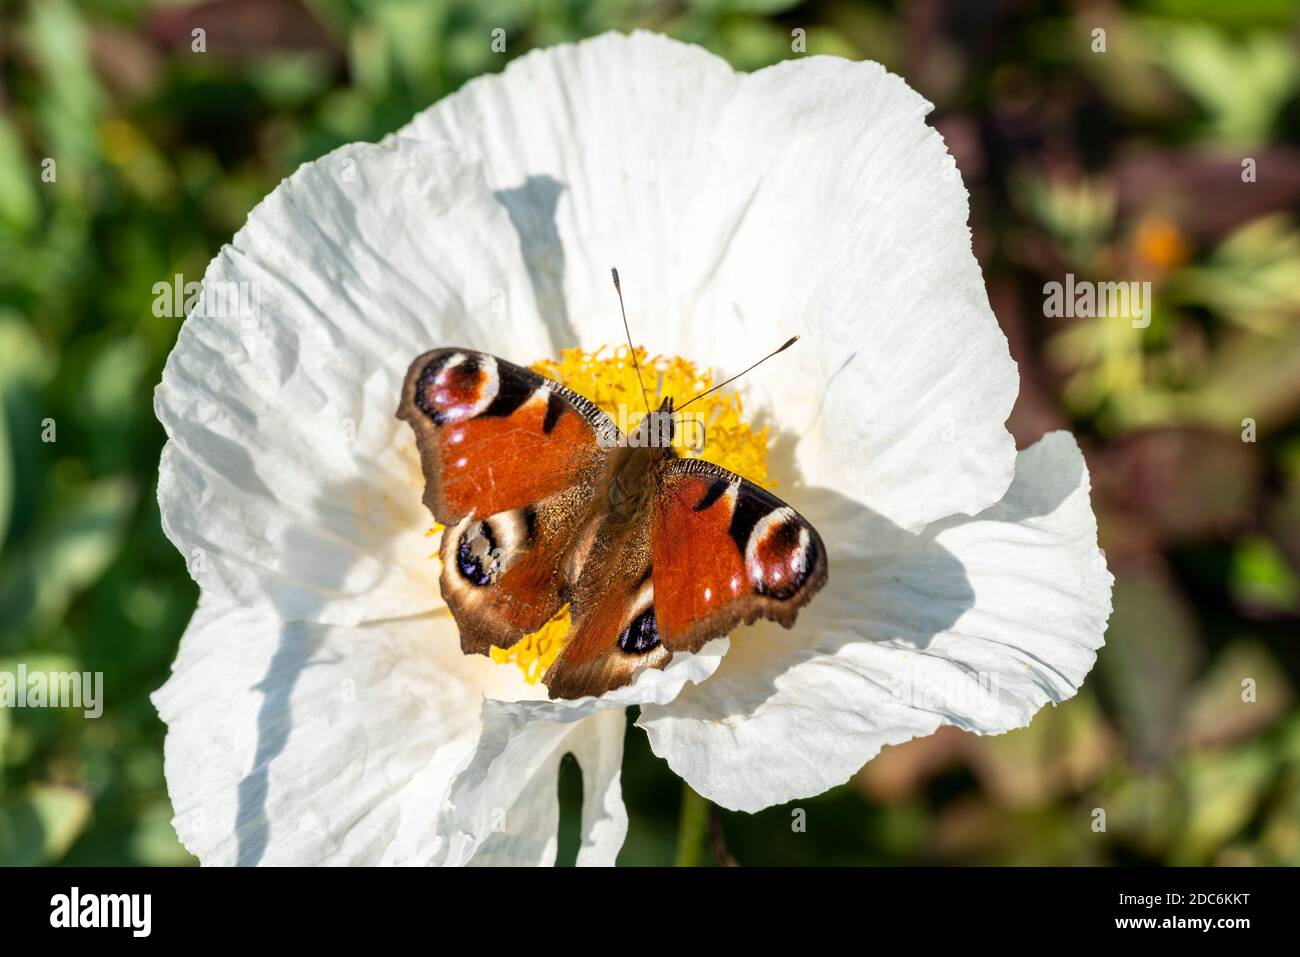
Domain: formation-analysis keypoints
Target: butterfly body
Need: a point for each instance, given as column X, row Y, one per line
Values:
column 546, row 503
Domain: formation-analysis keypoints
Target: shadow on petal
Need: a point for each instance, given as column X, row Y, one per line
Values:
column 872, row 565
column 886, row 585
column 293, row 655
column 868, row 591
column 531, row 207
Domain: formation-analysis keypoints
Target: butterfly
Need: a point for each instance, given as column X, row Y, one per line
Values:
column 545, row 502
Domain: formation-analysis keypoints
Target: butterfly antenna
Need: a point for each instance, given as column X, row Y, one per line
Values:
column 631, row 348
column 789, row 343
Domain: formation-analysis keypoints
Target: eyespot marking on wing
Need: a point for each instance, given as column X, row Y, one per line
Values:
column 476, row 555
column 486, row 547
column 457, row 387
column 641, row 636
column 779, row 554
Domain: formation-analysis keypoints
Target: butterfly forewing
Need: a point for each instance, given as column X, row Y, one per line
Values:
column 726, row 552
column 511, row 462
column 494, row 436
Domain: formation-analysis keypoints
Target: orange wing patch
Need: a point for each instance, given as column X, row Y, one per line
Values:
column 696, row 568
column 494, row 436
column 725, row 553
column 493, row 464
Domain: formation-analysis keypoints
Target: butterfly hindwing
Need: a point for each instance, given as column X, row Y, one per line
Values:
column 503, row 576
column 613, row 634
column 511, row 461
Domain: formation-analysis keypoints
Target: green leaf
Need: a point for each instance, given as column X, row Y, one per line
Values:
column 67, row 555
column 18, row 174
column 6, row 477
column 154, row 842
column 22, row 368
column 1242, row 84
column 1223, row 792
column 71, row 99
column 40, row 825
column 1261, row 576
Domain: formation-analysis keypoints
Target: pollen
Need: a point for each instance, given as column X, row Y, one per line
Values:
column 533, row 654
column 608, row 377
column 713, row 428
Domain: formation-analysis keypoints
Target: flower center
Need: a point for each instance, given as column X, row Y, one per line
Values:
column 715, row 430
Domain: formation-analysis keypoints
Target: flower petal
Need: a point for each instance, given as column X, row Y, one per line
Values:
column 503, row 805
column 503, row 808
column 287, row 478
column 975, row 622
column 807, row 198
column 317, row 744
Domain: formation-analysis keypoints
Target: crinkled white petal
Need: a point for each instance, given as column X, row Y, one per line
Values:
column 808, row 198
column 287, row 478
column 503, row 808
column 318, row 744
column 975, row 622
column 650, row 686
column 504, row 800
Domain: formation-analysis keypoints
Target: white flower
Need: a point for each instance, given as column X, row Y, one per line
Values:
column 321, row 710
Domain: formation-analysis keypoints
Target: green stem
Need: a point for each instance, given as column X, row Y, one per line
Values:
column 692, row 829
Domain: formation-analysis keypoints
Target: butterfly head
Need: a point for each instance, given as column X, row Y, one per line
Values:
column 657, row 429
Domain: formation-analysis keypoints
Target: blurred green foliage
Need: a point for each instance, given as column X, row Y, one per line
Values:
column 126, row 158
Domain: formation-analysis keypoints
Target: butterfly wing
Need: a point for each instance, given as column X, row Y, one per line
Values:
column 511, row 462
column 727, row 552
column 613, row 634
column 712, row 552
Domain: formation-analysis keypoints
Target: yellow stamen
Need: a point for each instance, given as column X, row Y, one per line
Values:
column 533, row 654
column 608, row 377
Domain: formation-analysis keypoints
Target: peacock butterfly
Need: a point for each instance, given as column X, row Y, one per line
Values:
column 546, row 502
